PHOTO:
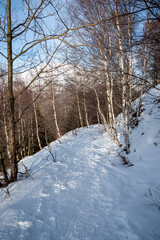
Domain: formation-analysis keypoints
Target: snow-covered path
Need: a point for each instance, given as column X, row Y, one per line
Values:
column 73, row 198
column 87, row 194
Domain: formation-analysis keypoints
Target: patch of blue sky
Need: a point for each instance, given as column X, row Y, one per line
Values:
column 45, row 26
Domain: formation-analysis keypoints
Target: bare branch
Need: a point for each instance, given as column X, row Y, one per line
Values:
column 33, row 16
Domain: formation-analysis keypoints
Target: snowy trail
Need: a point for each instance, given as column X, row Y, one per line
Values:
column 87, row 194
column 76, row 203
column 84, row 182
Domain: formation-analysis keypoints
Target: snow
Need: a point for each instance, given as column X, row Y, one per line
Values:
column 61, row 72
column 87, row 194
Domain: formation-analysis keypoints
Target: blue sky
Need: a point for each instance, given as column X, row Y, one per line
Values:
column 19, row 14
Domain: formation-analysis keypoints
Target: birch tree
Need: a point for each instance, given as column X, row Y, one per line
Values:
column 54, row 111
column 30, row 30
column 144, row 68
column 100, row 36
column 123, row 81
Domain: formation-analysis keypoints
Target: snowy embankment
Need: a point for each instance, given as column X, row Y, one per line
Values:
column 87, row 193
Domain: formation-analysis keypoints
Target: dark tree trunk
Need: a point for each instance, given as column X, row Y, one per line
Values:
column 4, row 170
column 13, row 161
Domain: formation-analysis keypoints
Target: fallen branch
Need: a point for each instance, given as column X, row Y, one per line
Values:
column 26, row 171
column 125, row 161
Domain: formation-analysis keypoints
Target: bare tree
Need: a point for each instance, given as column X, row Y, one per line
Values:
column 33, row 31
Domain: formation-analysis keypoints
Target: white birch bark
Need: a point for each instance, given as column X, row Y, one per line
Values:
column 115, row 140
column 20, row 127
column 109, row 83
column 85, row 108
column 55, row 113
column 130, row 60
column 32, row 134
column 37, row 128
column 123, row 81
column 29, row 145
column 144, row 69
column 129, row 101
column 5, row 124
column 23, row 137
column 78, row 107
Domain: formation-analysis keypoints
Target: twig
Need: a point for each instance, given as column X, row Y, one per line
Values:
column 27, row 171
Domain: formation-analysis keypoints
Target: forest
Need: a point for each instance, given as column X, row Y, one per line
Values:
column 70, row 64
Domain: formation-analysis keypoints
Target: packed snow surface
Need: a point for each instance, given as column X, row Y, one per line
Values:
column 88, row 193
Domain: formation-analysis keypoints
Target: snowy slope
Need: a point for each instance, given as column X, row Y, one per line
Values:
column 88, row 194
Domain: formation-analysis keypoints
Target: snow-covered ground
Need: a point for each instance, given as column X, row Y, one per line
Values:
column 87, row 193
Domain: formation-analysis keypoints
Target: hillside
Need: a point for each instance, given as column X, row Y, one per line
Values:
column 88, row 194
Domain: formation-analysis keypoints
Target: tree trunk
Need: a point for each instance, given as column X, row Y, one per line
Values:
column 32, row 135
column 144, row 70
column 5, row 124
column 19, row 130
column 78, row 106
column 123, row 81
column 85, row 108
column 29, row 145
column 4, row 172
column 111, row 87
column 55, row 114
column 104, row 120
column 130, row 66
column 129, row 101
column 109, row 92
column 109, row 84
column 12, row 148
column 37, row 128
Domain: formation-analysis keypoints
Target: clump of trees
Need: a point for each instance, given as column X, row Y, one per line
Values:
column 107, row 53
